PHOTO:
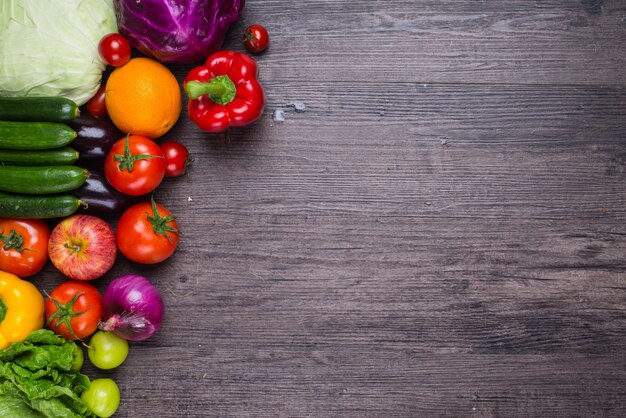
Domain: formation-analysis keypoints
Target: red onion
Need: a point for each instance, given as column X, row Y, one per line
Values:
column 133, row 308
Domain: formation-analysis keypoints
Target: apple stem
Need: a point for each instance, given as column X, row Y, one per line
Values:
column 75, row 247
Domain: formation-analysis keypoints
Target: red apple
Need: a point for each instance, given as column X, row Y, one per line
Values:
column 82, row 247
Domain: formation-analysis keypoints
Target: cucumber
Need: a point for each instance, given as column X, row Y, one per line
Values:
column 38, row 207
column 65, row 155
column 41, row 180
column 34, row 135
column 38, row 109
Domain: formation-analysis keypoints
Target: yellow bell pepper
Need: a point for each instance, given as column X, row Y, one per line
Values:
column 21, row 309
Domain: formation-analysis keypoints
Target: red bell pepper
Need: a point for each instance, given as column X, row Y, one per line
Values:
column 224, row 92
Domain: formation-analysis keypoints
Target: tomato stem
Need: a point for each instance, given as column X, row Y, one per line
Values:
column 12, row 241
column 65, row 313
column 249, row 37
column 160, row 223
column 128, row 160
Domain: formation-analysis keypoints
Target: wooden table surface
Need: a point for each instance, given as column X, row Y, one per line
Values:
column 442, row 231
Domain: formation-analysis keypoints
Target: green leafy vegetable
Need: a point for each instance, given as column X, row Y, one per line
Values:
column 50, row 48
column 37, row 379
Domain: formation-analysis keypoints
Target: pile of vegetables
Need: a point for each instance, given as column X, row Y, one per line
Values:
column 50, row 159
column 67, row 171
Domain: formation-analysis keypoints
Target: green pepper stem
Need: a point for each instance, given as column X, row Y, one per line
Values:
column 220, row 89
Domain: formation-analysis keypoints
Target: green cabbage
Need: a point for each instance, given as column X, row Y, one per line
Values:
column 50, row 47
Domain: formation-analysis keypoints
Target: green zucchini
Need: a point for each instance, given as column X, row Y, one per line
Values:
column 38, row 109
column 38, row 207
column 41, row 180
column 34, row 135
column 59, row 156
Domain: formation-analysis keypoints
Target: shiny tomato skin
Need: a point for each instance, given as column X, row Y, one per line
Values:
column 89, row 303
column 114, row 49
column 96, row 106
column 256, row 39
column 136, row 237
column 34, row 235
column 176, row 158
column 146, row 173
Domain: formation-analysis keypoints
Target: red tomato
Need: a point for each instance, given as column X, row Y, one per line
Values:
column 135, row 165
column 96, row 106
column 23, row 246
column 256, row 38
column 147, row 233
column 74, row 309
column 114, row 49
column 176, row 158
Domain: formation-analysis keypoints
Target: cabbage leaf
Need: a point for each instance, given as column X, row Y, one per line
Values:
column 50, row 47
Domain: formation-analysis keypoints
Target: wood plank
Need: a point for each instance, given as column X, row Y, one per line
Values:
column 516, row 41
column 357, row 381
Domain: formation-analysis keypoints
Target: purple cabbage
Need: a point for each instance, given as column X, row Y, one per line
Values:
column 180, row 31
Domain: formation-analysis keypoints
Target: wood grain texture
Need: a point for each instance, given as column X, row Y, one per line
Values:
column 442, row 232
column 514, row 41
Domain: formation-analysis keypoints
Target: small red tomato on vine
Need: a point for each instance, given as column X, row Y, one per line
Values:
column 147, row 233
column 256, row 39
column 135, row 165
column 114, row 49
column 176, row 158
column 74, row 310
column 96, row 106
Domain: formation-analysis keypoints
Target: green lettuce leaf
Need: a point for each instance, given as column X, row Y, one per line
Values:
column 37, row 380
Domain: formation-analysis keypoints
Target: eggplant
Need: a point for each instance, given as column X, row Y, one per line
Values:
column 101, row 198
column 95, row 137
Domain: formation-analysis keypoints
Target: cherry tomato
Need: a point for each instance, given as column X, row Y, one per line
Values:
column 176, row 158
column 107, row 350
column 255, row 38
column 102, row 397
column 96, row 106
column 147, row 233
column 23, row 246
column 74, row 309
column 114, row 49
column 135, row 165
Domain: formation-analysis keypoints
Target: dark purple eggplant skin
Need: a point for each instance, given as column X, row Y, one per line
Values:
column 95, row 137
column 101, row 198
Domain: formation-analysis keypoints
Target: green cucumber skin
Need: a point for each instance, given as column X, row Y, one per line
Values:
column 34, row 135
column 41, row 180
column 37, row 207
column 59, row 156
column 38, row 109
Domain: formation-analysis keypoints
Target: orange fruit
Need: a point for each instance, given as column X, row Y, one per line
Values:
column 143, row 98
